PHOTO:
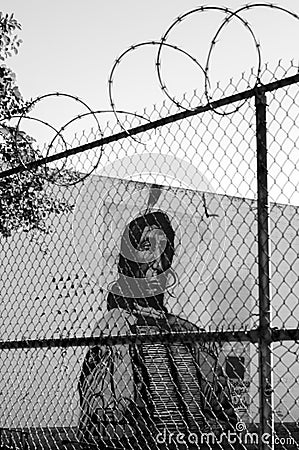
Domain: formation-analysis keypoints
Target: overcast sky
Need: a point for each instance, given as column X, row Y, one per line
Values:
column 70, row 46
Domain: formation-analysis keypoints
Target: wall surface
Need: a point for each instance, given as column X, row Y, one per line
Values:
column 55, row 286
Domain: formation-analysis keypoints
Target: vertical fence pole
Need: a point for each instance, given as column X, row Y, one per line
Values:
column 266, row 430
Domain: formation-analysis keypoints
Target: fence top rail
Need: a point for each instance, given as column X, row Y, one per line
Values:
column 251, row 336
column 198, row 336
column 256, row 91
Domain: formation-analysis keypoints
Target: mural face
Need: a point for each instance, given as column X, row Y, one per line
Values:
column 152, row 244
column 146, row 254
column 199, row 236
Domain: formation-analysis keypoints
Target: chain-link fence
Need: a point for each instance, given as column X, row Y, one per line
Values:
column 162, row 311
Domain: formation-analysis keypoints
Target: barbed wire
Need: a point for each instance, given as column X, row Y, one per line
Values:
column 15, row 132
column 162, row 43
column 151, row 125
column 53, row 175
column 50, row 174
column 231, row 14
column 163, row 86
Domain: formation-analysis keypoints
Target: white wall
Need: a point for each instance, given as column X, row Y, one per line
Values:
column 54, row 286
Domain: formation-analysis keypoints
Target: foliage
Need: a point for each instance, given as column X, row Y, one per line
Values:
column 9, row 41
column 11, row 101
column 26, row 202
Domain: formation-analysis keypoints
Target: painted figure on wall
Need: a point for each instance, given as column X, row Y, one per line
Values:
column 130, row 394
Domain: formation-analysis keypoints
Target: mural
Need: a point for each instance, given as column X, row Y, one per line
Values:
column 131, row 393
column 57, row 286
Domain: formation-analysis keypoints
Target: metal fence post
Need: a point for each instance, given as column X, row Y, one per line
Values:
column 266, row 430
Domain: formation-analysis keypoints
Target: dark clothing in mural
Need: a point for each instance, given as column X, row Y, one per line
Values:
column 132, row 392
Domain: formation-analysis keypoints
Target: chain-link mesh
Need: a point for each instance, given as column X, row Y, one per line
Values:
column 136, row 320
